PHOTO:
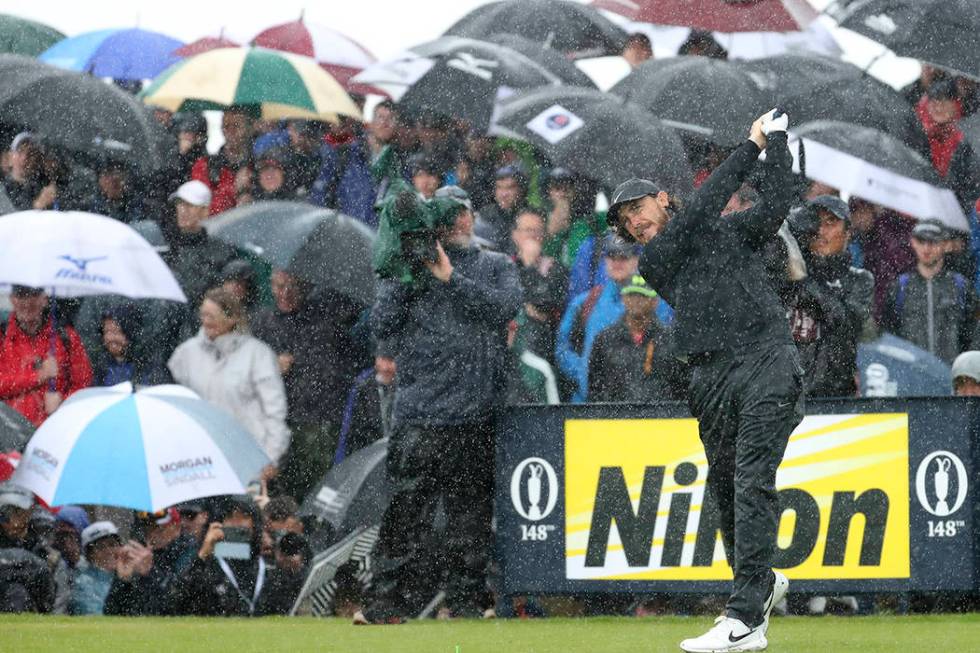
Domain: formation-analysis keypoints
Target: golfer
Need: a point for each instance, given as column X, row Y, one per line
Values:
column 746, row 387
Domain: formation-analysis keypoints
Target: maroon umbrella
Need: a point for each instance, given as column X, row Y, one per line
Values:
column 206, row 44
column 717, row 15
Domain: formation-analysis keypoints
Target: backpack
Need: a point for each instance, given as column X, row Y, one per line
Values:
column 903, row 282
column 577, row 335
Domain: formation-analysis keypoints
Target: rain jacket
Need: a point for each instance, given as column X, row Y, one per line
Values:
column 451, row 352
column 624, row 370
column 573, row 345
column 90, row 589
column 710, row 269
column 345, row 182
column 196, row 261
column 240, row 374
column 832, row 306
column 153, row 594
column 219, row 175
column 938, row 314
column 19, row 353
column 205, row 590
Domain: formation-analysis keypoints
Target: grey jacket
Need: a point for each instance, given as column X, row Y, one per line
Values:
column 452, row 340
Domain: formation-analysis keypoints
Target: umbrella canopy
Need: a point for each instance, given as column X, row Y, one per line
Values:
column 128, row 54
column 326, row 248
column 717, row 15
column 76, row 254
column 457, row 77
column 940, row 32
column 555, row 62
column 15, row 430
column 877, row 167
column 971, row 129
column 205, row 44
column 81, row 114
column 274, row 84
column 809, row 87
column 340, row 55
column 145, row 450
column 573, row 29
column 706, row 96
column 893, row 367
column 597, row 135
column 26, row 37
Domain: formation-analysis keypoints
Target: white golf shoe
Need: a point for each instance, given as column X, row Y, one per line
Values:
column 728, row 634
column 779, row 588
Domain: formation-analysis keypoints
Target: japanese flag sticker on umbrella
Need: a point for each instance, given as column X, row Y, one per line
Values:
column 145, row 450
column 555, row 123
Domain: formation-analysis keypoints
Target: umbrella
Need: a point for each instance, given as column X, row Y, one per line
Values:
column 15, row 430
column 353, row 494
column 684, row 92
column 893, row 367
column 75, row 254
column 275, row 84
column 809, row 86
column 145, row 450
column 457, row 77
column 877, row 167
column 26, row 37
column 971, row 129
column 129, row 54
column 555, row 62
column 205, row 44
column 573, row 29
column 598, row 135
column 326, row 248
column 940, row 32
column 339, row 55
column 717, row 15
column 81, row 114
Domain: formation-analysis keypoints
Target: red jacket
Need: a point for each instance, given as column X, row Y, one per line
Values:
column 223, row 195
column 19, row 353
column 943, row 139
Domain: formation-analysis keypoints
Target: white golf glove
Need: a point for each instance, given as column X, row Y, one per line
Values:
column 771, row 124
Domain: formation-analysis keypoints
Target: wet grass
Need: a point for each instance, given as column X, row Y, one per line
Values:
column 790, row 635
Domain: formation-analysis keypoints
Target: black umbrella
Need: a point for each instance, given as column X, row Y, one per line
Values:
column 597, row 135
column 713, row 98
column 573, row 29
column 461, row 77
column 15, row 430
column 940, row 32
column 81, row 114
column 809, row 86
column 326, row 248
column 554, row 61
column 893, row 367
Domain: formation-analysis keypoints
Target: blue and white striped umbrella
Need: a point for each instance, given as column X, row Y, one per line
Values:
column 145, row 450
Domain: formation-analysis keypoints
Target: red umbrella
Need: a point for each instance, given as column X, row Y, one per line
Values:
column 206, row 44
column 338, row 54
column 717, row 15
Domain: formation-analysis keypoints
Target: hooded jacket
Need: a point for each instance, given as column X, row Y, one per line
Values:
column 451, row 351
column 240, row 374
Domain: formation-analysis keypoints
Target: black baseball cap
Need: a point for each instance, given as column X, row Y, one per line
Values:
column 834, row 205
column 627, row 192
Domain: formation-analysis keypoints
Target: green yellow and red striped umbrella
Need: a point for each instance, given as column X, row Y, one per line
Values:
column 276, row 84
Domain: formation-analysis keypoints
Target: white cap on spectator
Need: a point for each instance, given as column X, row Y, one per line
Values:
column 15, row 495
column 20, row 138
column 97, row 531
column 967, row 364
column 193, row 192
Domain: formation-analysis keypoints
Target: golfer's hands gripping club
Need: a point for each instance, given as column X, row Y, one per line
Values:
column 772, row 121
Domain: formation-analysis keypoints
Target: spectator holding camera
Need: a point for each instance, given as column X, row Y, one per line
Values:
column 104, row 555
column 832, row 304
column 451, row 360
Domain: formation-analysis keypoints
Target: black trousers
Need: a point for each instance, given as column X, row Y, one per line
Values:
column 747, row 405
column 456, row 464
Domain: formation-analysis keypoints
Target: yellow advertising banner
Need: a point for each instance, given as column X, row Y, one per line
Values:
column 634, row 500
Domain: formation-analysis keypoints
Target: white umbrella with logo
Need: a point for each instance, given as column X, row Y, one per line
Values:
column 72, row 254
column 145, row 450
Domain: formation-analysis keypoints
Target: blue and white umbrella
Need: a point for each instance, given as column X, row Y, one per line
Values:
column 145, row 450
column 129, row 54
column 73, row 253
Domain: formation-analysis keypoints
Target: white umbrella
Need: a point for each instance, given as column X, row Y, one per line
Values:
column 72, row 254
column 145, row 450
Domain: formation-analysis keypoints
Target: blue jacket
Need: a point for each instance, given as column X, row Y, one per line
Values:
column 574, row 364
column 452, row 339
column 354, row 192
column 90, row 589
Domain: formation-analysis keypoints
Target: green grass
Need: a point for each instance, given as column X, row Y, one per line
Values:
column 939, row 633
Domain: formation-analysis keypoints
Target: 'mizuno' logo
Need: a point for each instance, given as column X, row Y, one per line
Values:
column 80, row 270
column 82, row 263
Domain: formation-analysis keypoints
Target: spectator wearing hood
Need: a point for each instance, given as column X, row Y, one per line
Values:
column 270, row 177
column 228, row 173
column 495, row 221
column 831, row 306
column 426, row 174
column 344, row 180
column 122, row 356
column 214, row 586
column 36, row 353
column 939, row 110
column 66, row 540
column 228, row 367
column 318, row 359
column 116, row 196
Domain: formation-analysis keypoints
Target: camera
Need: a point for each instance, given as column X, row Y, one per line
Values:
column 236, row 545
